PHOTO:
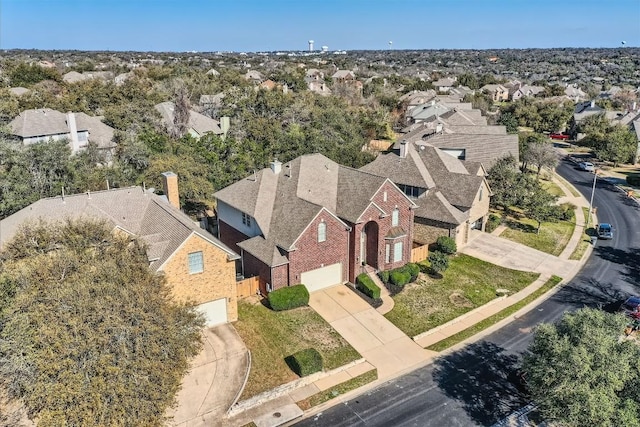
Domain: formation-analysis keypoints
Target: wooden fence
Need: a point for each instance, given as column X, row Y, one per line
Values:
column 248, row 287
column 419, row 253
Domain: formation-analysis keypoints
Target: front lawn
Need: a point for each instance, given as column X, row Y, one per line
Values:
column 552, row 238
column 468, row 283
column 271, row 336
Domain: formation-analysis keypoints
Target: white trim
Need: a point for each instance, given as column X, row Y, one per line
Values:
column 383, row 214
column 292, row 247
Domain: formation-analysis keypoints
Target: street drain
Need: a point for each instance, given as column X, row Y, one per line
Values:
column 277, row 414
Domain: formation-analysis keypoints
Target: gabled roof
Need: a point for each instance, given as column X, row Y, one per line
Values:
column 446, row 81
column 198, row 123
column 283, row 204
column 18, row 91
column 341, row 74
column 430, row 109
column 144, row 214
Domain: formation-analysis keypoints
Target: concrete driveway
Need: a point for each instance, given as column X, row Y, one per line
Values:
column 215, row 380
column 379, row 341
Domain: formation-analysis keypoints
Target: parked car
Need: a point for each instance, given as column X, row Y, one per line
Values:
column 631, row 307
column 560, row 136
column 605, row 231
column 586, row 166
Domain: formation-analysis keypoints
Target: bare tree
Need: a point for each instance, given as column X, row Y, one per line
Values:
column 541, row 154
column 182, row 105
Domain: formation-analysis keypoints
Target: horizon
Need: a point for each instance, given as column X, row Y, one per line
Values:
column 287, row 26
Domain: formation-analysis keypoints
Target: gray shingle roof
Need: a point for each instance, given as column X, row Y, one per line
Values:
column 199, row 123
column 284, row 204
column 140, row 213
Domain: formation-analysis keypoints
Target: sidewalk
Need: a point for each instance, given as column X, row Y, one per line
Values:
column 485, row 246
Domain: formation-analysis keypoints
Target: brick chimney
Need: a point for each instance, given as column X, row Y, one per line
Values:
column 170, row 186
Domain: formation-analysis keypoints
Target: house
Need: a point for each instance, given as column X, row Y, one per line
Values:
column 45, row 124
column 318, row 86
column 343, row 76
column 198, row 267
column 525, row 91
column 444, row 85
column 254, row 76
column 18, row 91
column 121, row 78
column 485, row 148
column 423, row 112
column 452, row 195
column 198, row 125
column 315, row 222
column 417, row 97
column 314, row 74
column 213, row 73
column 498, row 92
column 75, row 77
column 574, row 93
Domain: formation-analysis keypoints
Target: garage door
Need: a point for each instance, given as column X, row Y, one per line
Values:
column 215, row 312
column 323, row 277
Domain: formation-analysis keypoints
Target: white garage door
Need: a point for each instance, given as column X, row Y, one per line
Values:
column 323, row 277
column 215, row 312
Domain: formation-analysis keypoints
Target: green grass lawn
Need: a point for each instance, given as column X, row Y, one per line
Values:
column 492, row 320
column 338, row 390
column 552, row 187
column 585, row 241
column 552, row 238
column 271, row 336
column 467, row 284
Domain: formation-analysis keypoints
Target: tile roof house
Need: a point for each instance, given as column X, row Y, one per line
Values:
column 315, row 222
column 45, row 124
column 198, row 267
column 199, row 124
column 452, row 195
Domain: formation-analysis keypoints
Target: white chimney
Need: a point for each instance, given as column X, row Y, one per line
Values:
column 276, row 167
column 403, row 149
column 224, row 125
column 593, row 104
column 73, row 132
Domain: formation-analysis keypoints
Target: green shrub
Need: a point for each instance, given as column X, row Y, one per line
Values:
column 288, row 298
column 634, row 179
column 305, row 362
column 384, row 276
column 446, row 245
column 399, row 277
column 366, row 285
column 566, row 211
column 492, row 223
column 413, row 270
column 439, row 261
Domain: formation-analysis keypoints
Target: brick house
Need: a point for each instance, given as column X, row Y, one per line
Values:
column 198, row 267
column 315, row 222
column 452, row 195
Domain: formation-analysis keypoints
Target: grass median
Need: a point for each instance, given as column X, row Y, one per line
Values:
column 585, row 240
column 338, row 390
column 492, row 320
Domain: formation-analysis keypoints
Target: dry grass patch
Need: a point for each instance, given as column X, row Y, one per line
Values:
column 467, row 284
column 271, row 336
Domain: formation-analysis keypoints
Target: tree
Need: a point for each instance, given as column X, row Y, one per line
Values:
column 181, row 112
column 509, row 121
column 539, row 204
column 541, row 155
column 438, row 262
column 619, row 145
column 502, row 178
column 88, row 334
column 580, row 372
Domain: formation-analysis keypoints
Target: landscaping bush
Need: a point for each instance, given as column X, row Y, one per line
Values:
column 446, row 245
column 492, row 223
column 439, row 262
column 305, row 362
column 565, row 212
column 384, row 276
column 288, row 298
column 399, row 277
column 413, row 270
column 365, row 284
column 634, row 179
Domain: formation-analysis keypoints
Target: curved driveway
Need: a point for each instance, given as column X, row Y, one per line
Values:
column 476, row 385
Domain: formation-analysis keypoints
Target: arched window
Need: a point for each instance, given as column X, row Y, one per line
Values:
column 322, row 232
column 395, row 218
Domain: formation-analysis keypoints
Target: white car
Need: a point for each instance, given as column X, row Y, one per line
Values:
column 586, row 166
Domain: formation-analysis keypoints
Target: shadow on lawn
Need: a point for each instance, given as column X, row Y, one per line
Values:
column 484, row 378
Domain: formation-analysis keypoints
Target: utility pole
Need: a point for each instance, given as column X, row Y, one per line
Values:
column 593, row 190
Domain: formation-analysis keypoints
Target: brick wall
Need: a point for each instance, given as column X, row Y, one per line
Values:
column 311, row 254
column 230, row 236
column 217, row 281
column 427, row 231
column 254, row 267
column 480, row 208
column 280, row 277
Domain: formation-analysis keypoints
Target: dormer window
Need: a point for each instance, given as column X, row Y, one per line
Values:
column 322, row 232
column 395, row 218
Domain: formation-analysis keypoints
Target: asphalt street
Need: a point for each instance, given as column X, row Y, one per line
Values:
column 478, row 385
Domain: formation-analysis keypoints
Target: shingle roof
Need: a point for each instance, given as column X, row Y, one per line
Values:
column 199, row 123
column 18, row 91
column 140, row 213
column 284, row 204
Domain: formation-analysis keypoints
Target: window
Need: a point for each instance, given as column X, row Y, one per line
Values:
column 196, row 263
column 246, row 219
column 384, row 196
column 387, row 253
column 480, row 197
column 322, row 232
column 395, row 218
column 397, row 252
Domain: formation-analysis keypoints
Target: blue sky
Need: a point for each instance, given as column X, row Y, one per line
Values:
column 245, row 25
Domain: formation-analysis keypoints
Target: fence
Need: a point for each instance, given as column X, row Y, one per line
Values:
column 248, row 287
column 419, row 253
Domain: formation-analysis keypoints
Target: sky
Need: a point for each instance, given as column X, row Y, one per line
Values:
column 280, row 25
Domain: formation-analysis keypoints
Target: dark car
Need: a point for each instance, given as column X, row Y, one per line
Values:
column 605, row 231
column 631, row 307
